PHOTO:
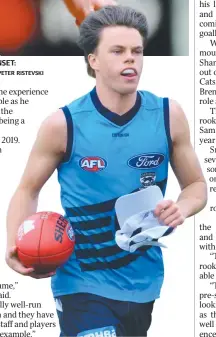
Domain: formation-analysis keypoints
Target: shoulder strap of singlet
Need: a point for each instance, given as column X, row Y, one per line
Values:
column 166, row 111
column 70, row 134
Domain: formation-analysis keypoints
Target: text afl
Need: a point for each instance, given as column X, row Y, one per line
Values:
column 93, row 164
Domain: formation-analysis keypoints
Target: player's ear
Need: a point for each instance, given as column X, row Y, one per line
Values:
column 93, row 61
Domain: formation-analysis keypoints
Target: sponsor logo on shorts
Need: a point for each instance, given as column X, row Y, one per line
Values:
column 93, row 164
column 108, row 331
column 146, row 161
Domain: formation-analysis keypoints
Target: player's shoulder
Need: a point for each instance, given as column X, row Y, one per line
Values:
column 55, row 122
column 52, row 133
column 176, row 109
column 151, row 100
column 80, row 104
column 177, row 114
column 179, row 126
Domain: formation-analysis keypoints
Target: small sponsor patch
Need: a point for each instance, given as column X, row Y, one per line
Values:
column 107, row 331
column 70, row 233
column 120, row 135
column 93, row 164
column 146, row 161
column 147, row 179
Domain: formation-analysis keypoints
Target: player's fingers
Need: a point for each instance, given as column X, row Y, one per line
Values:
column 172, row 210
column 169, row 219
column 12, row 251
column 14, row 263
column 44, row 275
column 161, row 206
column 177, row 222
column 19, row 268
column 25, row 271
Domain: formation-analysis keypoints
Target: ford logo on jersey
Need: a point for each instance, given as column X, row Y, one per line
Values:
column 93, row 164
column 146, row 161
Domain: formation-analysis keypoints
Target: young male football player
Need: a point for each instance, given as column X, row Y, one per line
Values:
column 103, row 144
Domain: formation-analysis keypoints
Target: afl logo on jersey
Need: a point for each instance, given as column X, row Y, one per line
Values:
column 146, row 161
column 93, row 164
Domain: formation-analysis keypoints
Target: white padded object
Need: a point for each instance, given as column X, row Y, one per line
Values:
column 135, row 212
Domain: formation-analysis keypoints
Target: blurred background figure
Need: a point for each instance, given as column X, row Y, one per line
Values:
column 18, row 23
column 47, row 28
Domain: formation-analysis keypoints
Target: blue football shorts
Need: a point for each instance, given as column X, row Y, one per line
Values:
column 88, row 315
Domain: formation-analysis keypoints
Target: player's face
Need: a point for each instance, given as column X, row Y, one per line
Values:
column 119, row 58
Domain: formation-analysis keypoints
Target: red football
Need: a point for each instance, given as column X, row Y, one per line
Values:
column 45, row 241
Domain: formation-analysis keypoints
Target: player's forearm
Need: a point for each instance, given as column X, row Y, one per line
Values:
column 22, row 205
column 193, row 198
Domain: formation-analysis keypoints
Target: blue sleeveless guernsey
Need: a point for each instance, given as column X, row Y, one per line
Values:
column 109, row 156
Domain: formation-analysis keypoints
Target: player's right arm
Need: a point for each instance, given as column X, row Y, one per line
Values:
column 46, row 154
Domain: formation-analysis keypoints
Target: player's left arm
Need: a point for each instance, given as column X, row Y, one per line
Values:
column 185, row 164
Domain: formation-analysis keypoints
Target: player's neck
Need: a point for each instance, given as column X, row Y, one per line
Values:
column 115, row 102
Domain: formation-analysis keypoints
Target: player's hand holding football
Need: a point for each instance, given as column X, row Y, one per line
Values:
column 80, row 9
column 169, row 213
column 14, row 263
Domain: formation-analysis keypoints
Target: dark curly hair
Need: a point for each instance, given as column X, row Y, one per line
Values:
column 108, row 16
